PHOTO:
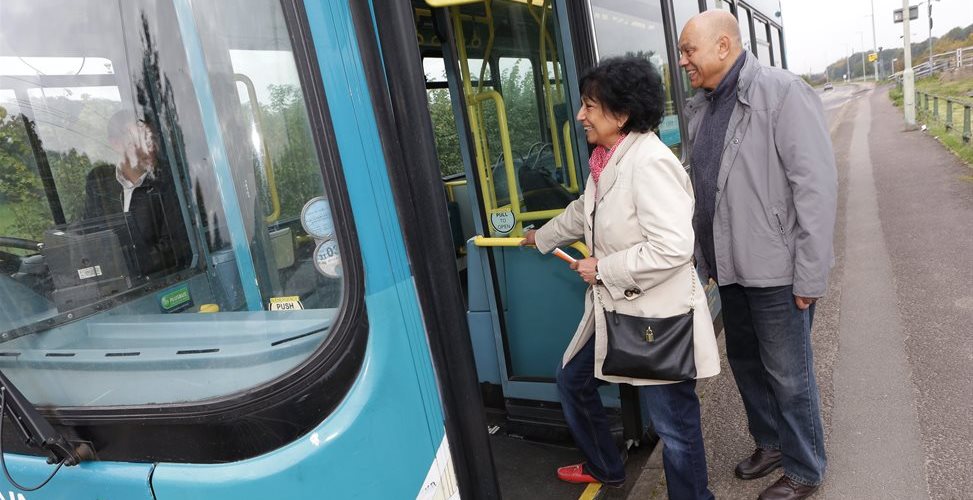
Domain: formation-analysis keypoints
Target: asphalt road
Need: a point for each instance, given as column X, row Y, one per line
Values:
column 893, row 352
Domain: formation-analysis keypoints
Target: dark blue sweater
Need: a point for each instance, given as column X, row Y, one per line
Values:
column 706, row 155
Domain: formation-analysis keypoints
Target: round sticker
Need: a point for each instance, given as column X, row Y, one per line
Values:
column 503, row 221
column 327, row 260
column 316, row 218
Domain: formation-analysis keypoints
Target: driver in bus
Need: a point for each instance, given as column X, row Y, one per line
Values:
column 143, row 192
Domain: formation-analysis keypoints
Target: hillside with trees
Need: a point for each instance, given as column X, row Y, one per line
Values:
column 894, row 56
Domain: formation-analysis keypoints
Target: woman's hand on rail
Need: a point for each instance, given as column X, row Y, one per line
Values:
column 528, row 239
column 587, row 269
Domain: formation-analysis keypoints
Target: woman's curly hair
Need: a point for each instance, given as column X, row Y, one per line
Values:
column 627, row 85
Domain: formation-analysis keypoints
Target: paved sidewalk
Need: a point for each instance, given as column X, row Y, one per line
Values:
column 893, row 357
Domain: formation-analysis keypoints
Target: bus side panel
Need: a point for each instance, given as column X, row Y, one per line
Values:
column 102, row 480
column 382, row 440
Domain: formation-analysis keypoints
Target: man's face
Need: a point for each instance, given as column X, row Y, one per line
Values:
column 703, row 56
column 137, row 149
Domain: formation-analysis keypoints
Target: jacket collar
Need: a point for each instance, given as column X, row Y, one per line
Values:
column 751, row 66
column 609, row 175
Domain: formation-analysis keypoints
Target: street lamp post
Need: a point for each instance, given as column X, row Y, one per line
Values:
column 929, row 40
column 848, row 63
column 908, row 76
column 930, row 35
column 874, row 43
column 861, row 39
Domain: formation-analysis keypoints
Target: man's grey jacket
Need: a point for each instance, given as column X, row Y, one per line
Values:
column 777, row 188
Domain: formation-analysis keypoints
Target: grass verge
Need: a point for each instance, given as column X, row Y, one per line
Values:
column 952, row 139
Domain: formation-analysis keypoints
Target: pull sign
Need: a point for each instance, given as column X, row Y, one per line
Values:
column 285, row 304
column 503, row 221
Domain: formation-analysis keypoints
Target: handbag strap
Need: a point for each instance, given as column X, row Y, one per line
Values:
column 692, row 271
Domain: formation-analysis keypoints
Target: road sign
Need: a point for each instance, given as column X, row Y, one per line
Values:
column 913, row 14
column 872, row 57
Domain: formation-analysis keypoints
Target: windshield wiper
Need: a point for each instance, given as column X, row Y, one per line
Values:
column 37, row 432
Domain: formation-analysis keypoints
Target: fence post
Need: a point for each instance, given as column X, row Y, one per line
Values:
column 949, row 114
column 935, row 107
column 966, row 123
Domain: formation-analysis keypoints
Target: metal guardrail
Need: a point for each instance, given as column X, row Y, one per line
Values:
column 946, row 61
column 928, row 106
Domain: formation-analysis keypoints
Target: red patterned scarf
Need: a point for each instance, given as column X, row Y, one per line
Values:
column 600, row 157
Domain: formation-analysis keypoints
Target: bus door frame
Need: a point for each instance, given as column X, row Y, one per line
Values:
column 527, row 388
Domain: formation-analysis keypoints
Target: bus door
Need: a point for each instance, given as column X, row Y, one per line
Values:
column 502, row 91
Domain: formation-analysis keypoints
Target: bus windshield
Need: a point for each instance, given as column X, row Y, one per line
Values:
column 165, row 234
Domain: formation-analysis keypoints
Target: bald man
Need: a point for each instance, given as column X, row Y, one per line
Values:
column 766, row 190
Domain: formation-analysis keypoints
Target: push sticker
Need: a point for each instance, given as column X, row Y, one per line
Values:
column 176, row 299
column 285, row 304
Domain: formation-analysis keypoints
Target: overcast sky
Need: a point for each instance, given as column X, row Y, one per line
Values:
column 818, row 32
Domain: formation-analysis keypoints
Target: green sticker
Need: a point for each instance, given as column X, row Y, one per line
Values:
column 175, row 299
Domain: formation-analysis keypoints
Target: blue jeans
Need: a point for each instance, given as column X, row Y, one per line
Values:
column 768, row 345
column 673, row 408
column 674, row 411
column 586, row 417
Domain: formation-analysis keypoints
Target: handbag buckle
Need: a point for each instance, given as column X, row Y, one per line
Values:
column 649, row 334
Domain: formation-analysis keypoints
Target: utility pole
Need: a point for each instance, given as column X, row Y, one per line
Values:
column 874, row 43
column 848, row 66
column 861, row 39
column 908, row 77
column 929, row 2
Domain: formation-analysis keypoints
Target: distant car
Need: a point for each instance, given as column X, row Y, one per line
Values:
column 829, row 86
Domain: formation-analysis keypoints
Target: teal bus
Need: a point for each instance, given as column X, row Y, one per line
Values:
column 269, row 249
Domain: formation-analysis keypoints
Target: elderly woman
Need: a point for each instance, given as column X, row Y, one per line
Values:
column 636, row 216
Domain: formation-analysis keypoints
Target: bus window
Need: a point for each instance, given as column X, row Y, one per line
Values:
column 517, row 83
column 743, row 18
column 635, row 28
column 776, row 42
column 521, row 126
column 763, row 44
column 162, row 206
column 726, row 5
column 441, row 111
column 683, row 11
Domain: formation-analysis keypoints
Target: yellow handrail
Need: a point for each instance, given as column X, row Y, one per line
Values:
column 491, row 31
column 486, row 180
column 508, row 155
column 449, row 3
column 540, row 214
column 475, row 100
column 548, row 95
column 569, row 154
column 449, row 188
column 482, row 241
column 268, row 162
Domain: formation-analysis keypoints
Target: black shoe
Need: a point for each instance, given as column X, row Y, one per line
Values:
column 761, row 463
column 787, row 489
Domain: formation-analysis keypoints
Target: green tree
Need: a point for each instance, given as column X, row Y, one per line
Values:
column 23, row 212
column 288, row 139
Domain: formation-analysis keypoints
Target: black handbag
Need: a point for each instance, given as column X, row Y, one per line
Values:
column 650, row 348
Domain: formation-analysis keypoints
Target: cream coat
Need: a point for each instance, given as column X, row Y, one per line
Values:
column 644, row 245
